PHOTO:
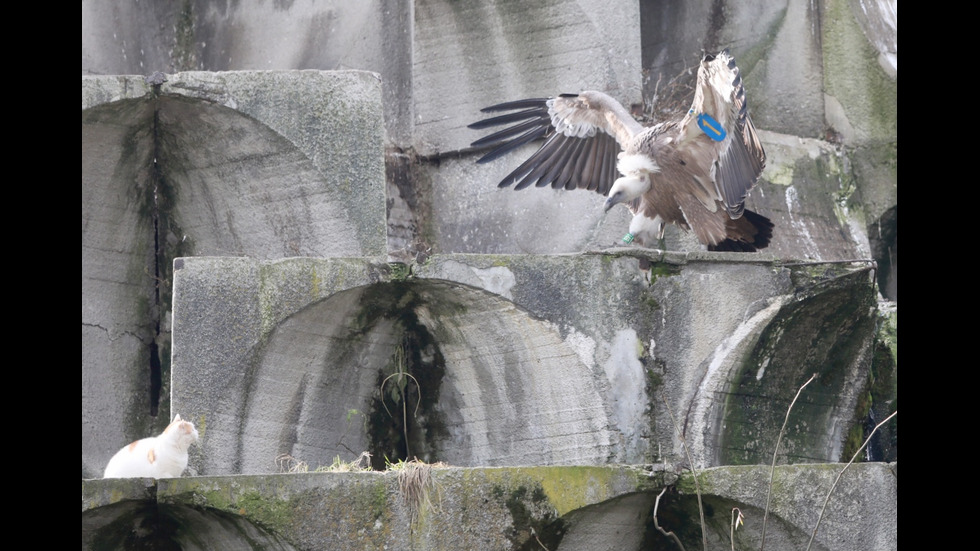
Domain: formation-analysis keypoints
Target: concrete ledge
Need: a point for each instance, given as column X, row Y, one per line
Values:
column 572, row 507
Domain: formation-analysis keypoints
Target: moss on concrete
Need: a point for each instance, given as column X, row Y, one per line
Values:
column 273, row 514
column 879, row 399
column 824, row 332
column 662, row 269
column 568, row 487
column 853, row 75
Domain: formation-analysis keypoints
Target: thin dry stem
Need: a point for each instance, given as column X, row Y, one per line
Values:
column 414, row 484
column 670, row 101
column 656, row 524
column 772, row 470
column 690, row 461
column 841, row 473
column 535, row 534
column 402, row 372
column 289, row 464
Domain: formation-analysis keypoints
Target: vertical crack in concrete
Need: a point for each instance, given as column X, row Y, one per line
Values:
column 407, row 207
column 156, row 377
column 716, row 21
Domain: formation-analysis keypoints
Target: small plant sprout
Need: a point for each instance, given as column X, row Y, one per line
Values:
column 401, row 383
column 736, row 522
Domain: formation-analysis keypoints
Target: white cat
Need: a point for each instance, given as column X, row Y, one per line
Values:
column 163, row 456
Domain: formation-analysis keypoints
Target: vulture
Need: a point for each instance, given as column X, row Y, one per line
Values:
column 694, row 172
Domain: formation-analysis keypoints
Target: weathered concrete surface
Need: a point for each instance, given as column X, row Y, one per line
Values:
column 819, row 71
column 261, row 164
column 776, row 45
column 804, row 190
column 476, row 51
column 473, row 54
column 879, row 21
column 861, row 95
column 496, row 508
column 789, row 55
column 861, row 507
column 370, row 35
column 518, row 360
column 562, row 508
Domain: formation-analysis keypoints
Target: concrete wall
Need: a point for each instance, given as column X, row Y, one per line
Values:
column 520, row 360
column 824, row 71
column 334, row 135
column 260, row 164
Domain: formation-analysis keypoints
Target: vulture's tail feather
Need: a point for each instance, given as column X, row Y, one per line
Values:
column 747, row 234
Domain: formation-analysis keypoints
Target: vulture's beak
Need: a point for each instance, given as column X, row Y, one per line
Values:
column 618, row 192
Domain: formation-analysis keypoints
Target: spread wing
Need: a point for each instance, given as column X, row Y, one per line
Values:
column 739, row 157
column 583, row 135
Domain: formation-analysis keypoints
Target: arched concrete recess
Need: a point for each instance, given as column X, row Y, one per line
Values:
column 168, row 176
column 625, row 523
column 825, row 330
column 492, row 386
column 150, row 525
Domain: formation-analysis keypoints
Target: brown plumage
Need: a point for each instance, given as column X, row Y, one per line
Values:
column 694, row 172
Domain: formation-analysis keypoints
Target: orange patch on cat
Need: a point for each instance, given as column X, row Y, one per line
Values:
column 133, row 445
column 150, row 456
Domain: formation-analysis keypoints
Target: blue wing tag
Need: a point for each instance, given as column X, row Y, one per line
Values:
column 711, row 127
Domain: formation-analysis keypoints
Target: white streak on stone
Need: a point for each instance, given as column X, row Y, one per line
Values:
column 728, row 356
column 498, row 279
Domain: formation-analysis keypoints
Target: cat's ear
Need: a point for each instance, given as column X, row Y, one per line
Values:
column 177, row 418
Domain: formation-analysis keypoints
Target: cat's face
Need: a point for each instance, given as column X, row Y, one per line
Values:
column 182, row 430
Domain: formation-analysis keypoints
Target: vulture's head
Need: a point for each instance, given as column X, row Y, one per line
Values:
column 626, row 189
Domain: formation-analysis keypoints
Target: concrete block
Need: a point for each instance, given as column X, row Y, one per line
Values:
column 264, row 164
column 514, row 360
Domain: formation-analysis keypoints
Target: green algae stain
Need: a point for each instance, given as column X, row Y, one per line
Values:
column 687, row 485
column 575, row 487
column 314, row 283
column 271, row 513
column 662, row 269
column 781, row 175
column 400, row 271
